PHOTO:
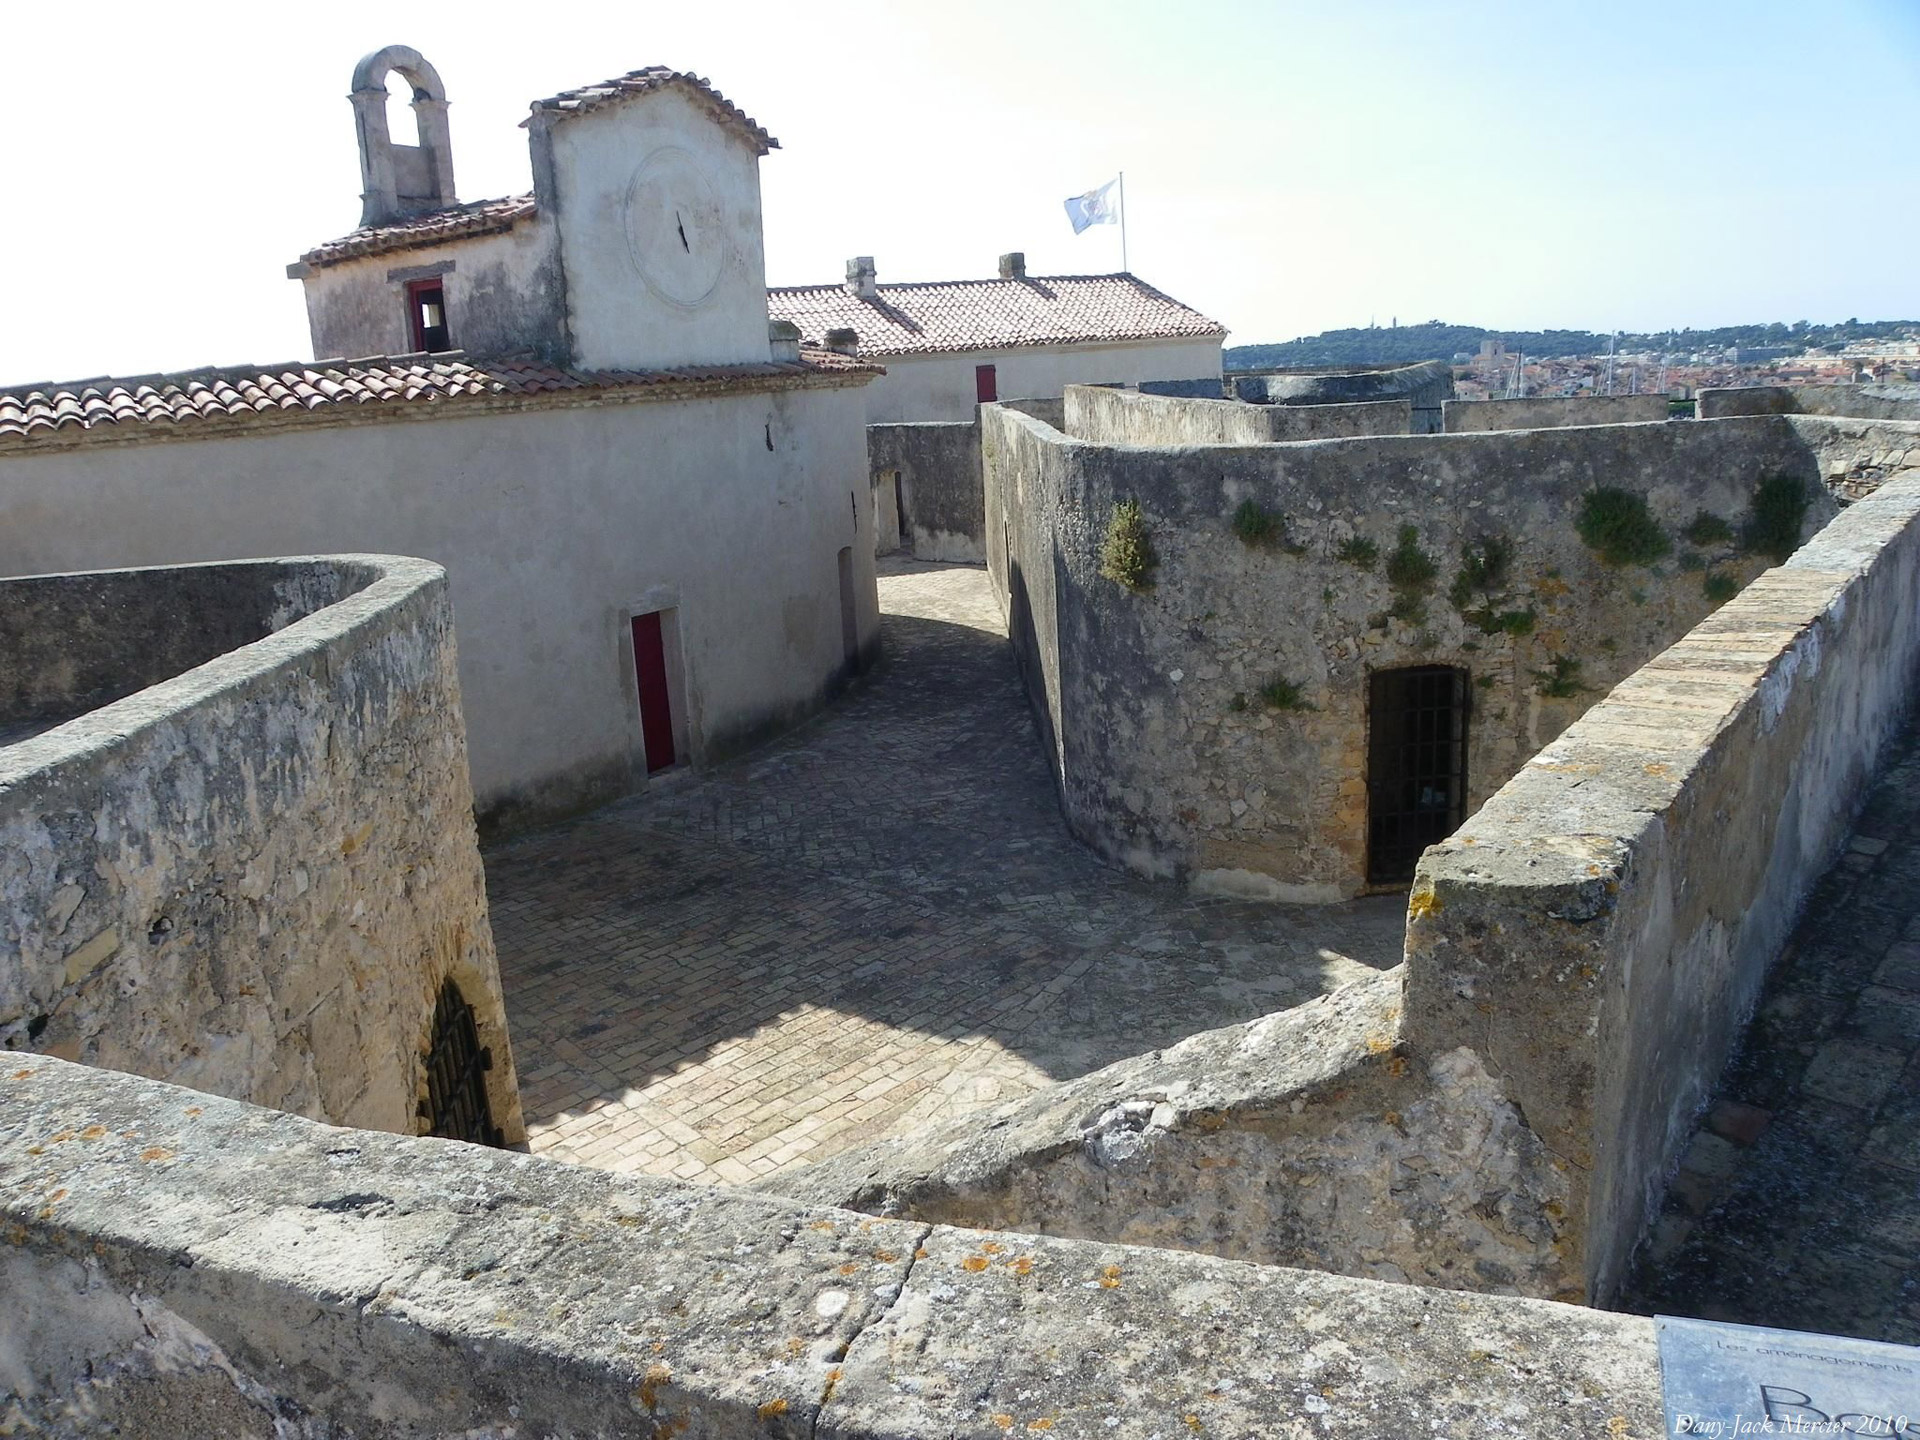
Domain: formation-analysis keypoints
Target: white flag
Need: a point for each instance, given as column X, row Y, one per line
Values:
column 1096, row 207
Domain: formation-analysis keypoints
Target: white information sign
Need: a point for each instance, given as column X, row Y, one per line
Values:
column 1729, row 1381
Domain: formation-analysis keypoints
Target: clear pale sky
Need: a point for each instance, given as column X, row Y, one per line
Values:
column 1290, row 167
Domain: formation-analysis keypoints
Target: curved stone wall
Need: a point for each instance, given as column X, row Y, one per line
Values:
column 1212, row 724
column 247, row 870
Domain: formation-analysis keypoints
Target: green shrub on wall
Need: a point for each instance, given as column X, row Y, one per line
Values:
column 1126, row 555
column 1618, row 526
column 1283, row 694
column 1479, row 591
column 1359, row 552
column 1267, row 529
column 1560, row 680
column 1707, row 530
column 1718, row 586
column 1773, row 521
column 1411, row 572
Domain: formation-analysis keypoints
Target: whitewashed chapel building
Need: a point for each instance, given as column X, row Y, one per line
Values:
column 950, row 345
column 653, row 507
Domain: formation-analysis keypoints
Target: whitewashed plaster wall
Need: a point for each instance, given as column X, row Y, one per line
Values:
column 503, row 292
column 941, row 387
column 634, row 301
column 555, row 526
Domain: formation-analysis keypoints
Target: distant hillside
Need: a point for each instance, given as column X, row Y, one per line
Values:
column 1437, row 340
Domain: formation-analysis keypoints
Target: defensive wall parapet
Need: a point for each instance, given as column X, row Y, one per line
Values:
column 926, row 480
column 1860, row 402
column 1211, row 722
column 1426, row 386
column 1601, row 928
column 1503, row 1111
column 236, row 841
column 1122, row 417
column 1549, row 411
column 237, row 1272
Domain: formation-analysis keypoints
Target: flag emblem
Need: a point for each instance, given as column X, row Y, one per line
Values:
column 1096, row 207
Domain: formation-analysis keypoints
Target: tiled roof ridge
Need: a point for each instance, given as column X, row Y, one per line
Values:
column 429, row 227
column 993, row 313
column 583, row 98
column 986, row 280
column 102, row 404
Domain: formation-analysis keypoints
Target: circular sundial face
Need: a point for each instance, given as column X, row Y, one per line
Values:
column 675, row 231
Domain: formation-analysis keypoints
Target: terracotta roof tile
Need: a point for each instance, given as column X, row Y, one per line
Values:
column 953, row 315
column 148, row 404
column 481, row 217
column 660, row 77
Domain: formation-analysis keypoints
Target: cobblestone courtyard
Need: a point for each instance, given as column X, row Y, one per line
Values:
column 1798, row 1203
column 874, row 923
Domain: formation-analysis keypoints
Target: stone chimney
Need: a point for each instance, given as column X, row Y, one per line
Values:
column 843, row 341
column 783, row 341
column 860, row 278
column 1013, row 265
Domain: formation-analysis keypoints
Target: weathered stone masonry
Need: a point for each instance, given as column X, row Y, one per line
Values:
column 206, row 1268
column 1502, row 1111
column 1213, row 724
column 242, row 858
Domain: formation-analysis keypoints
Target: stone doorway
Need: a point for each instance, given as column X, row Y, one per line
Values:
column 457, row 1065
column 1416, row 765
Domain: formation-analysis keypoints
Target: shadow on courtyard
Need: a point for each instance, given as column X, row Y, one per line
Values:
column 879, row 919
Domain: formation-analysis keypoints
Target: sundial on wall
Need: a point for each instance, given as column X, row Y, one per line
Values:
column 675, row 232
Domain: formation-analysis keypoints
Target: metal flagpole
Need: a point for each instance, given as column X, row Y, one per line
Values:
column 1123, row 220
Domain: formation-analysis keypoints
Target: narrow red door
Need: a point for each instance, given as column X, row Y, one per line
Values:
column 650, row 668
column 986, row 385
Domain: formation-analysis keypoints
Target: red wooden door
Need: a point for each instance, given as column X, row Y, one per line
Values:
column 986, row 385
column 650, row 669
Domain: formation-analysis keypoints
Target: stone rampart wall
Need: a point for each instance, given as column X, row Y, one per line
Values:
column 1120, row 417
column 1859, row 402
column 184, row 1265
column 1856, row 457
column 1303, row 1138
column 939, row 467
column 1599, row 932
column 73, row 643
column 252, row 877
column 1214, row 724
column 1546, row 412
column 1426, row 386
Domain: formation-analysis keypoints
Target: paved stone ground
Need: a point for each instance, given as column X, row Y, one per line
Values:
column 1798, row 1203
column 877, row 922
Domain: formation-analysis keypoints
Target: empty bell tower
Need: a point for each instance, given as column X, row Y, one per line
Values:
column 401, row 180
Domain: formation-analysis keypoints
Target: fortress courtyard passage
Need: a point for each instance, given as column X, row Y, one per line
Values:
column 876, row 922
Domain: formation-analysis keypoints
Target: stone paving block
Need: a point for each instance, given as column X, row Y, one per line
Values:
column 1901, row 969
column 1850, row 1073
column 1813, row 1221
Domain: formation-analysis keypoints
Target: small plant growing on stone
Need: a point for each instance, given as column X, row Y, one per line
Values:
column 1410, row 571
column 1692, row 561
column 1283, row 694
column 1707, row 529
column 1560, row 680
column 1408, row 566
column 1126, row 555
column 1774, row 519
column 1359, row 552
column 1618, row 527
column 1718, row 586
column 1479, row 591
column 1264, row 528
column 1238, row 704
